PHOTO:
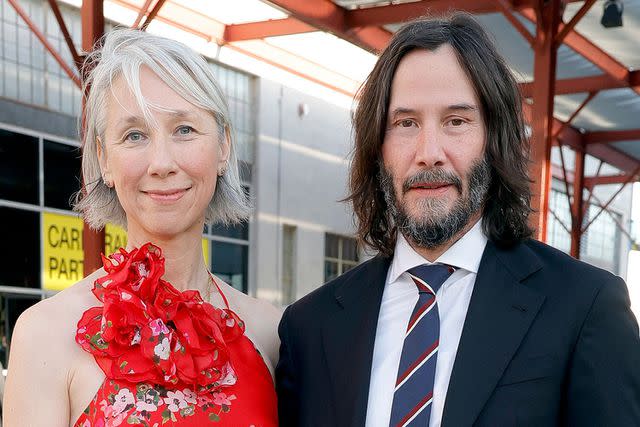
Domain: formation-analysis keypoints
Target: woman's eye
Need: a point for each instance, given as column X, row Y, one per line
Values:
column 185, row 130
column 456, row 122
column 406, row 123
column 134, row 136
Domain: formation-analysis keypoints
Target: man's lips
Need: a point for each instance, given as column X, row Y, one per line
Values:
column 430, row 185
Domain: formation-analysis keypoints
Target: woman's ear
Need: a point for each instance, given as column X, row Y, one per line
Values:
column 104, row 165
column 225, row 150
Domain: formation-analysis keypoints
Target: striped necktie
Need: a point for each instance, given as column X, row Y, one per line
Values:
column 416, row 374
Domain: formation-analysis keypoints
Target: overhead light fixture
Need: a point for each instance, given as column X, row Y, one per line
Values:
column 612, row 14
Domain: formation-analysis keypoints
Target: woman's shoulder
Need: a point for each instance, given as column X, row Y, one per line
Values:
column 261, row 319
column 53, row 319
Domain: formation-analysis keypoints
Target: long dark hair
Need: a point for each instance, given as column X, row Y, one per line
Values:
column 507, row 207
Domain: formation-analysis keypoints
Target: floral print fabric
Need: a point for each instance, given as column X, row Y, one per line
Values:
column 169, row 357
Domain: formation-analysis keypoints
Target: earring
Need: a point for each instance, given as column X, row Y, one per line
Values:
column 222, row 170
column 107, row 182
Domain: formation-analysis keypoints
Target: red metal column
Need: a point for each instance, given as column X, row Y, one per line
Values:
column 92, row 30
column 544, row 74
column 577, row 210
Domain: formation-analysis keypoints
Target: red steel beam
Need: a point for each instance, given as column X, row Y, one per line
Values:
column 260, row 30
column 608, row 136
column 590, row 51
column 585, row 84
column 577, row 17
column 613, row 156
column 152, row 14
column 397, row 13
column 43, row 39
column 77, row 59
column 141, row 13
column 544, row 70
column 92, row 17
column 592, row 181
column 577, row 206
column 506, row 9
column 327, row 16
column 575, row 114
column 630, row 177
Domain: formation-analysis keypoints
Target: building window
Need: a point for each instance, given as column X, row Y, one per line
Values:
column 340, row 255
column 288, row 263
column 559, row 214
column 229, row 248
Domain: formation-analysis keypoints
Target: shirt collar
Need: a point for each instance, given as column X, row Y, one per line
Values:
column 466, row 253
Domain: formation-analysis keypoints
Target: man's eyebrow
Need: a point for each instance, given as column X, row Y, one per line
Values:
column 462, row 107
column 401, row 110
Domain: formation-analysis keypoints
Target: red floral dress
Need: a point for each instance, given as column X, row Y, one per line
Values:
column 169, row 357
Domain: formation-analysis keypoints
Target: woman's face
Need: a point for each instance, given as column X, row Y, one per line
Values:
column 164, row 173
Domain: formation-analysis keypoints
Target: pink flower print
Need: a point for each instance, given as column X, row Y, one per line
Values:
column 141, row 405
column 222, row 399
column 203, row 399
column 175, row 401
column 142, row 270
column 116, row 420
column 136, row 337
column 157, row 327
column 112, row 416
column 122, row 399
column 163, row 349
column 86, row 423
column 228, row 376
column 189, row 396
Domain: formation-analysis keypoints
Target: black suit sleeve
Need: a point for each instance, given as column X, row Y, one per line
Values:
column 604, row 375
column 286, row 381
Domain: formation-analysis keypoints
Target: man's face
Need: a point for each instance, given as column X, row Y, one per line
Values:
column 434, row 173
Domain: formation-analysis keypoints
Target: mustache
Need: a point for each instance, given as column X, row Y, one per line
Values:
column 433, row 175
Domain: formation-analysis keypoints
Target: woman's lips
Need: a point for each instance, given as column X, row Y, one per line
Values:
column 166, row 195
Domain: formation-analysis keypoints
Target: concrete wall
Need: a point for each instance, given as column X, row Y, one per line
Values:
column 300, row 173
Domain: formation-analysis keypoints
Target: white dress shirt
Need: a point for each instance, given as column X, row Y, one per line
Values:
column 398, row 300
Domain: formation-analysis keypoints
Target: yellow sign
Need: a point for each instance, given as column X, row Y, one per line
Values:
column 205, row 252
column 63, row 256
column 115, row 237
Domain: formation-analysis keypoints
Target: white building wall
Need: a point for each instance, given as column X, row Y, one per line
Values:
column 299, row 176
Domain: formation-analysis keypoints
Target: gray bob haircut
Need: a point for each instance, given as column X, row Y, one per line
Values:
column 121, row 55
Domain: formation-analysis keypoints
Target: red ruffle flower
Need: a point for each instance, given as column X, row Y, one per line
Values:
column 148, row 331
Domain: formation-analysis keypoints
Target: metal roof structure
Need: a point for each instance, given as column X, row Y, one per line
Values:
column 579, row 78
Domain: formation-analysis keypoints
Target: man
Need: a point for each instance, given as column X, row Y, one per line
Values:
column 461, row 319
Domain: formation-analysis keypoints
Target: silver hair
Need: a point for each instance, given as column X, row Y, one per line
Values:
column 122, row 53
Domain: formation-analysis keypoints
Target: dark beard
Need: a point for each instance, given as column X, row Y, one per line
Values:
column 436, row 226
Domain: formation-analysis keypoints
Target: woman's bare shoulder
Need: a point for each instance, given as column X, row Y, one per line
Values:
column 53, row 319
column 43, row 354
column 261, row 319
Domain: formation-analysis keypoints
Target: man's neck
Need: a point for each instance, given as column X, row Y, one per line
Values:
column 432, row 254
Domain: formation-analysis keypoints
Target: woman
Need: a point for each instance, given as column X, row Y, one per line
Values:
column 134, row 343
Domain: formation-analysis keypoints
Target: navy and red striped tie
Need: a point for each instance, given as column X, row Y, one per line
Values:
column 416, row 374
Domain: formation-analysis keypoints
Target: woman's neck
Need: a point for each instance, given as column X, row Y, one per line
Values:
column 184, row 262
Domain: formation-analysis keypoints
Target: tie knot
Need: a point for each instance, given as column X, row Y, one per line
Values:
column 429, row 277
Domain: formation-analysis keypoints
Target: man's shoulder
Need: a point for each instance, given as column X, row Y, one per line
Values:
column 324, row 298
column 555, row 267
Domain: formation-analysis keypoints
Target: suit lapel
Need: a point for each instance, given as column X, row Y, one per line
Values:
column 348, row 339
column 500, row 313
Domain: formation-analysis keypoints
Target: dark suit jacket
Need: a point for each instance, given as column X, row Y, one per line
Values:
column 547, row 341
